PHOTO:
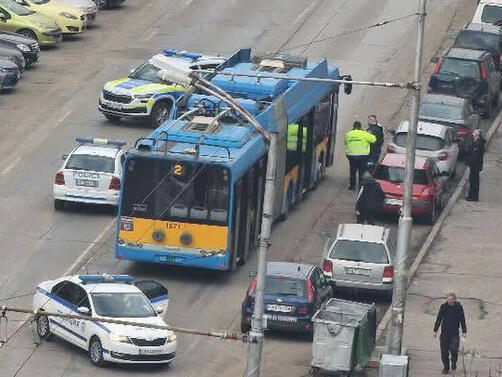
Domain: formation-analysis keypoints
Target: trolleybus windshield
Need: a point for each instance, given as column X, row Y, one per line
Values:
column 178, row 191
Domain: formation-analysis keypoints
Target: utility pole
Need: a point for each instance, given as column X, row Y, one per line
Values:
column 405, row 220
column 256, row 335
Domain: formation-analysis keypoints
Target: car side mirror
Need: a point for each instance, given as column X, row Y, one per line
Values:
column 159, row 309
column 252, row 274
column 64, row 157
column 84, row 310
column 434, row 59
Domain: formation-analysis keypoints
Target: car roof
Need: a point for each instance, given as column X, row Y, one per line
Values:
column 398, row 160
column 100, row 287
column 465, row 53
column 442, row 99
column 289, row 269
column 95, row 150
column 424, row 128
column 362, row 232
column 485, row 28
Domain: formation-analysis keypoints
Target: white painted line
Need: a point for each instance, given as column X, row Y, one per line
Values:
column 436, row 228
column 10, row 166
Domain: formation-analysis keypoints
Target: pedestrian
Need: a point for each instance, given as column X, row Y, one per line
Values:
column 450, row 317
column 357, row 149
column 376, row 148
column 474, row 160
column 369, row 200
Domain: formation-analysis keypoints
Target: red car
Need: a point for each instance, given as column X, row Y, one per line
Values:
column 429, row 185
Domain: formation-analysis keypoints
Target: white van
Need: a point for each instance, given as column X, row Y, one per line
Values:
column 488, row 12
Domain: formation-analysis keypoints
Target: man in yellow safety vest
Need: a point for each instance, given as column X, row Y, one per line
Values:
column 357, row 149
column 293, row 130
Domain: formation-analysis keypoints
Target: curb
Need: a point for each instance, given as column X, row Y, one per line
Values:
column 437, row 227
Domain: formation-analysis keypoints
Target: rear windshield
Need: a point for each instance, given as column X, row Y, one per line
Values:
column 491, row 14
column 424, row 142
column 92, row 163
column 438, row 110
column 396, row 175
column 478, row 40
column 460, row 67
column 359, row 251
column 285, row 286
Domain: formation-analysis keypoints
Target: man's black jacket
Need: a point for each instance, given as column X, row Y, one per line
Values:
column 475, row 155
column 450, row 318
column 371, row 196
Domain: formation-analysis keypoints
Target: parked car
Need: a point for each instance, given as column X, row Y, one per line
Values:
column 293, row 293
column 360, row 257
column 455, row 112
column 433, row 140
column 488, row 12
column 10, row 73
column 429, row 186
column 88, row 7
column 27, row 46
column 19, row 19
column 70, row 20
column 14, row 55
column 482, row 37
column 468, row 74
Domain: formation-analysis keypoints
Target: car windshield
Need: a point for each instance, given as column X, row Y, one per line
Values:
column 424, row 142
column 438, row 110
column 40, row 1
column 91, row 163
column 147, row 72
column 284, row 286
column 122, row 305
column 478, row 40
column 169, row 190
column 460, row 67
column 396, row 174
column 491, row 14
column 16, row 8
column 359, row 251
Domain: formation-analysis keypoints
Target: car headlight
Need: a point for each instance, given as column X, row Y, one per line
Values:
column 23, row 48
column 119, row 338
column 2, row 70
column 68, row 15
column 143, row 96
column 171, row 338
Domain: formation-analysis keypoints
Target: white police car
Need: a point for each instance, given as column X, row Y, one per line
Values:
column 107, row 296
column 90, row 173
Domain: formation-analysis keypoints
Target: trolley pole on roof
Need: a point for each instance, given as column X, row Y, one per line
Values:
column 405, row 220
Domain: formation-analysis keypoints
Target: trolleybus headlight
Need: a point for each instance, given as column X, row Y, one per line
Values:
column 121, row 241
column 158, row 235
column 186, row 238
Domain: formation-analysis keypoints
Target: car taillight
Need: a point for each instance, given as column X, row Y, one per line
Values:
column 500, row 60
column 327, row 266
column 252, row 288
column 388, row 273
column 114, row 183
column 303, row 310
column 483, row 70
column 390, row 148
column 443, row 156
column 462, row 131
column 59, row 178
column 438, row 65
column 310, row 291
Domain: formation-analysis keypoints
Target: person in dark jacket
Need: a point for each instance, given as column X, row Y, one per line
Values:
column 450, row 318
column 474, row 160
column 369, row 199
column 376, row 129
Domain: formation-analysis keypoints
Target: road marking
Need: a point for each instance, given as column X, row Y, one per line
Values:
column 11, row 166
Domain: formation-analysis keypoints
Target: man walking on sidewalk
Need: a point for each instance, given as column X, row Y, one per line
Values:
column 376, row 129
column 370, row 198
column 357, row 149
column 450, row 318
column 475, row 162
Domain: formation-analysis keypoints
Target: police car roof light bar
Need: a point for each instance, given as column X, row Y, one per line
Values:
column 105, row 278
column 183, row 54
column 90, row 140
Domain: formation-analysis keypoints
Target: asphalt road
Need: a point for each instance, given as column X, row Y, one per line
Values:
column 56, row 101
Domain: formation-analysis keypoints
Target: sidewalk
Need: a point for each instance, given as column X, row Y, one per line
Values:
column 467, row 259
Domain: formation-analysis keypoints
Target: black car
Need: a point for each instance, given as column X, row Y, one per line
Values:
column 451, row 111
column 27, row 46
column 468, row 74
column 11, row 73
column 14, row 55
column 293, row 293
column 482, row 37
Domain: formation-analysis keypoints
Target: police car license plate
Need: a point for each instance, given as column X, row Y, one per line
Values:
column 86, row 183
column 114, row 105
column 150, row 351
column 282, row 318
column 394, row 202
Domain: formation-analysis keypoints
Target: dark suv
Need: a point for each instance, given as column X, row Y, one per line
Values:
column 468, row 74
column 482, row 37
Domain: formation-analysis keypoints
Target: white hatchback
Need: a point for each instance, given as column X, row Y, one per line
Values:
column 434, row 140
column 488, row 12
column 113, row 297
column 91, row 173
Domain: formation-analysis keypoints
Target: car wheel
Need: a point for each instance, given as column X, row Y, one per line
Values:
column 43, row 328
column 431, row 219
column 159, row 114
column 112, row 118
column 245, row 327
column 28, row 33
column 96, row 352
column 59, row 204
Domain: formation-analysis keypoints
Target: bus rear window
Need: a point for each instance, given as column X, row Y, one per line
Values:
column 178, row 191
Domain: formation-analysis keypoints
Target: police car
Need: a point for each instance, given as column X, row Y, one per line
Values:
column 107, row 296
column 143, row 94
column 90, row 173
